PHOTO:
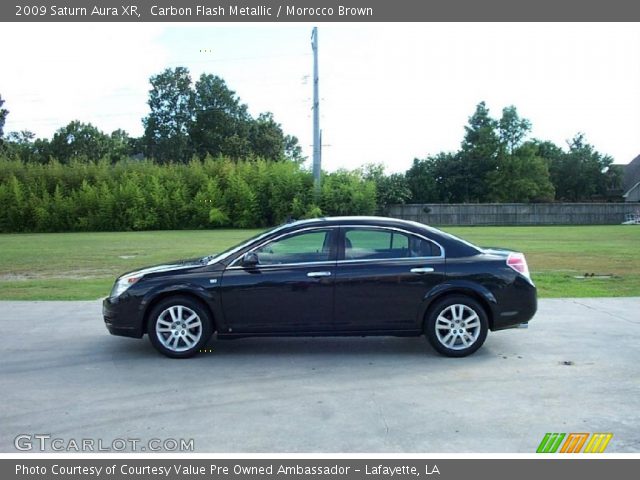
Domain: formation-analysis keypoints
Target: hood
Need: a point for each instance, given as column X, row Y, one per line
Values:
column 169, row 266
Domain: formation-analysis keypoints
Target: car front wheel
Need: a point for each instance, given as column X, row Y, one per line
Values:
column 179, row 327
column 456, row 326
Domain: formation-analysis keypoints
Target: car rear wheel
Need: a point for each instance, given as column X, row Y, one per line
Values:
column 179, row 327
column 456, row 326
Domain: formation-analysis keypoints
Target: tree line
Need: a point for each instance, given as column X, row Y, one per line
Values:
column 497, row 163
column 143, row 195
column 186, row 119
column 204, row 162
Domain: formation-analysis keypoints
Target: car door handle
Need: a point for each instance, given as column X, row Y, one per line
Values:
column 422, row 270
column 318, row 274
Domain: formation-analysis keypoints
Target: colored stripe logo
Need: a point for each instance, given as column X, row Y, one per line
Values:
column 550, row 443
column 598, row 442
column 573, row 442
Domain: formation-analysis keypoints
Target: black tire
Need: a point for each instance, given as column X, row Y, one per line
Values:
column 465, row 311
column 178, row 337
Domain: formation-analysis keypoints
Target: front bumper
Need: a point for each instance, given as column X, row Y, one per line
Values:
column 122, row 317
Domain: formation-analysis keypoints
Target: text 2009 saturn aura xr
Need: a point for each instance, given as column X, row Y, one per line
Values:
column 329, row 276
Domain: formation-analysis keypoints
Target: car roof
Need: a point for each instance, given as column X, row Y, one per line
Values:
column 359, row 220
column 455, row 246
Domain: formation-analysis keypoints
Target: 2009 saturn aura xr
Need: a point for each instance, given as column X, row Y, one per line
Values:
column 329, row 276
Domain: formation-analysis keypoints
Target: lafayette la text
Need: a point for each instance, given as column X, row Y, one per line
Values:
column 223, row 470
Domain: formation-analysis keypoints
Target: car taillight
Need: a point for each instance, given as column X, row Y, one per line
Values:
column 518, row 263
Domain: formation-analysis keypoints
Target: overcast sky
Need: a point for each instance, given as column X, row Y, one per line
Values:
column 389, row 92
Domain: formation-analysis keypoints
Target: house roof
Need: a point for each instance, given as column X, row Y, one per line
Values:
column 631, row 174
column 628, row 192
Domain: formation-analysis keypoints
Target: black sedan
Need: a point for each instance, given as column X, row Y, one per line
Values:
column 329, row 276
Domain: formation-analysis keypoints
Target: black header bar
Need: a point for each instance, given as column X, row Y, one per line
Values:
column 316, row 10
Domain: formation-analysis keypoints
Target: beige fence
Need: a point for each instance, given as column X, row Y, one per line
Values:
column 516, row 213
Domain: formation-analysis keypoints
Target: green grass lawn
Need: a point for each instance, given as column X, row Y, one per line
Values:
column 80, row 266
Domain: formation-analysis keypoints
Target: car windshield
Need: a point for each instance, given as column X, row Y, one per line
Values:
column 218, row 257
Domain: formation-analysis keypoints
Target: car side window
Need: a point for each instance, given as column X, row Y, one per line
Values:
column 313, row 246
column 371, row 244
column 424, row 248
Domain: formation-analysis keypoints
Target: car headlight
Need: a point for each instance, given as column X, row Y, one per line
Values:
column 123, row 283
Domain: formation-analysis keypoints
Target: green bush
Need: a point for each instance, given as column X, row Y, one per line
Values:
column 344, row 193
column 141, row 195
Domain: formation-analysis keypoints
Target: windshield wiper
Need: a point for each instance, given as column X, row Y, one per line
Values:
column 208, row 258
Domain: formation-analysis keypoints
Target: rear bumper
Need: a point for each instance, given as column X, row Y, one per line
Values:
column 121, row 317
column 516, row 307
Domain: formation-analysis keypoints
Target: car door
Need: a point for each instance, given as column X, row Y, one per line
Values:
column 290, row 289
column 382, row 277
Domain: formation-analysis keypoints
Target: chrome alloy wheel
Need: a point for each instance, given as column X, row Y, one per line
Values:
column 458, row 327
column 178, row 328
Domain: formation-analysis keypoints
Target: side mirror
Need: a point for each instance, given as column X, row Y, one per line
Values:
column 250, row 259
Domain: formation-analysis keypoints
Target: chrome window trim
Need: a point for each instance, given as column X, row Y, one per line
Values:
column 396, row 259
column 275, row 265
column 232, row 265
column 319, row 227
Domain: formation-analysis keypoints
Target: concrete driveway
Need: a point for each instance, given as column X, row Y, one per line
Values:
column 576, row 369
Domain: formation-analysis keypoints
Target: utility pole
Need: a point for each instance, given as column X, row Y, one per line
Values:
column 317, row 146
